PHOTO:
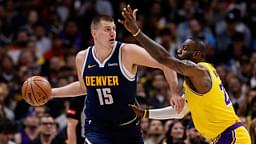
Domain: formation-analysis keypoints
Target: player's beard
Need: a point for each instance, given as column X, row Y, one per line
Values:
column 182, row 57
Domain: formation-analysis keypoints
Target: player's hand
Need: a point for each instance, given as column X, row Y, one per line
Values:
column 137, row 110
column 177, row 102
column 129, row 21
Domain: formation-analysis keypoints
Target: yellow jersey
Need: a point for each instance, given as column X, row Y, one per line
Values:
column 211, row 112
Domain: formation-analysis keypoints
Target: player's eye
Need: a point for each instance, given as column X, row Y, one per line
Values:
column 107, row 29
column 184, row 47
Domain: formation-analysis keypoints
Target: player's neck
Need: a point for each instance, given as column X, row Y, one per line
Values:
column 102, row 52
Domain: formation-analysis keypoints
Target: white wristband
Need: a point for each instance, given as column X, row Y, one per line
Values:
column 167, row 113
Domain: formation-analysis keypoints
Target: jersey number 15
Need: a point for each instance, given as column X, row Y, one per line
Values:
column 105, row 96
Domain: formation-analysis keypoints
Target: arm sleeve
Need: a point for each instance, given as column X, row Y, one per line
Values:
column 168, row 113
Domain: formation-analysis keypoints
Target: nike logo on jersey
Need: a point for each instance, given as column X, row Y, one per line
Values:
column 91, row 66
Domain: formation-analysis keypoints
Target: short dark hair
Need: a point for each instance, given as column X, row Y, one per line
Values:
column 6, row 126
column 200, row 45
column 100, row 18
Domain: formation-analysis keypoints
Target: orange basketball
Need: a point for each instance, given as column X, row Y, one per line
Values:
column 36, row 91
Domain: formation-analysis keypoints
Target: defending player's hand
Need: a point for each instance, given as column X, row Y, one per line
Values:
column 137, row 110
column 129, row 21
column 177, row 102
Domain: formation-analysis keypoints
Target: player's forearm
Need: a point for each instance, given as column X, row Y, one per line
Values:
column 71, row 131
column 72, row 136
column 171, row 77
column 167, row 113
column 162, row 56
column 70, row 90
column 153, row 48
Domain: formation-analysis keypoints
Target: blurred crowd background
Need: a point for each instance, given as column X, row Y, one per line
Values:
column 41, row 37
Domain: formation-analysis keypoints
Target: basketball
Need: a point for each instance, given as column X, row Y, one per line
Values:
column 36, row 91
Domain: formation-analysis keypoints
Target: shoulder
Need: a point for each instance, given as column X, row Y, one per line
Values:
column 131, row 48
column 196, row 69
column 81, row 55
column 206, row 66
column 196, row 65
column 128, row 46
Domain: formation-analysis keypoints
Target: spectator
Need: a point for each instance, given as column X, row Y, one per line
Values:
column 32, row 18
column 144, row 123
column 39, row 111
column 104, row 7
column 235, row 92
column 28, row 59
column 21, row 42
column 253, row 108
column 226, row 29
column 5, row 112
column 176, row 133
column 7, row 69
column 168, row 40
column 43, row 43
column 48, row 131
column 56, row 50
column 71, row 35
column 159, row 92
column 6, row 131
column 193, row 136
column 30, row 131
column 246, row 105
column 253, row 78
column 252, row 131
column 155, row 132
column 167, row 125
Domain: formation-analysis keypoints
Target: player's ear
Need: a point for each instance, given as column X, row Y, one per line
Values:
column 93, row 32
column 196, row 54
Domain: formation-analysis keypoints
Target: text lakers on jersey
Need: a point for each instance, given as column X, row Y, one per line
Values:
column 101, row 81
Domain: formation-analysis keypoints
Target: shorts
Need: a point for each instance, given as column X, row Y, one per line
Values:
column 236, row 134
column 128, row 134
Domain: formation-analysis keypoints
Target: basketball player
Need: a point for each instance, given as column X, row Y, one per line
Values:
column 107, row 72
column 211, row 109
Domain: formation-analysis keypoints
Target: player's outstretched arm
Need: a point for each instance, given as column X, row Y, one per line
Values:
column 76, row 88
column 71, row 90
column 186, row 68
column 135, row 55
column 161, row 113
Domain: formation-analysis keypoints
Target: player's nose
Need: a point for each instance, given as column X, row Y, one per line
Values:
column 113, row 33
column 178, row 51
